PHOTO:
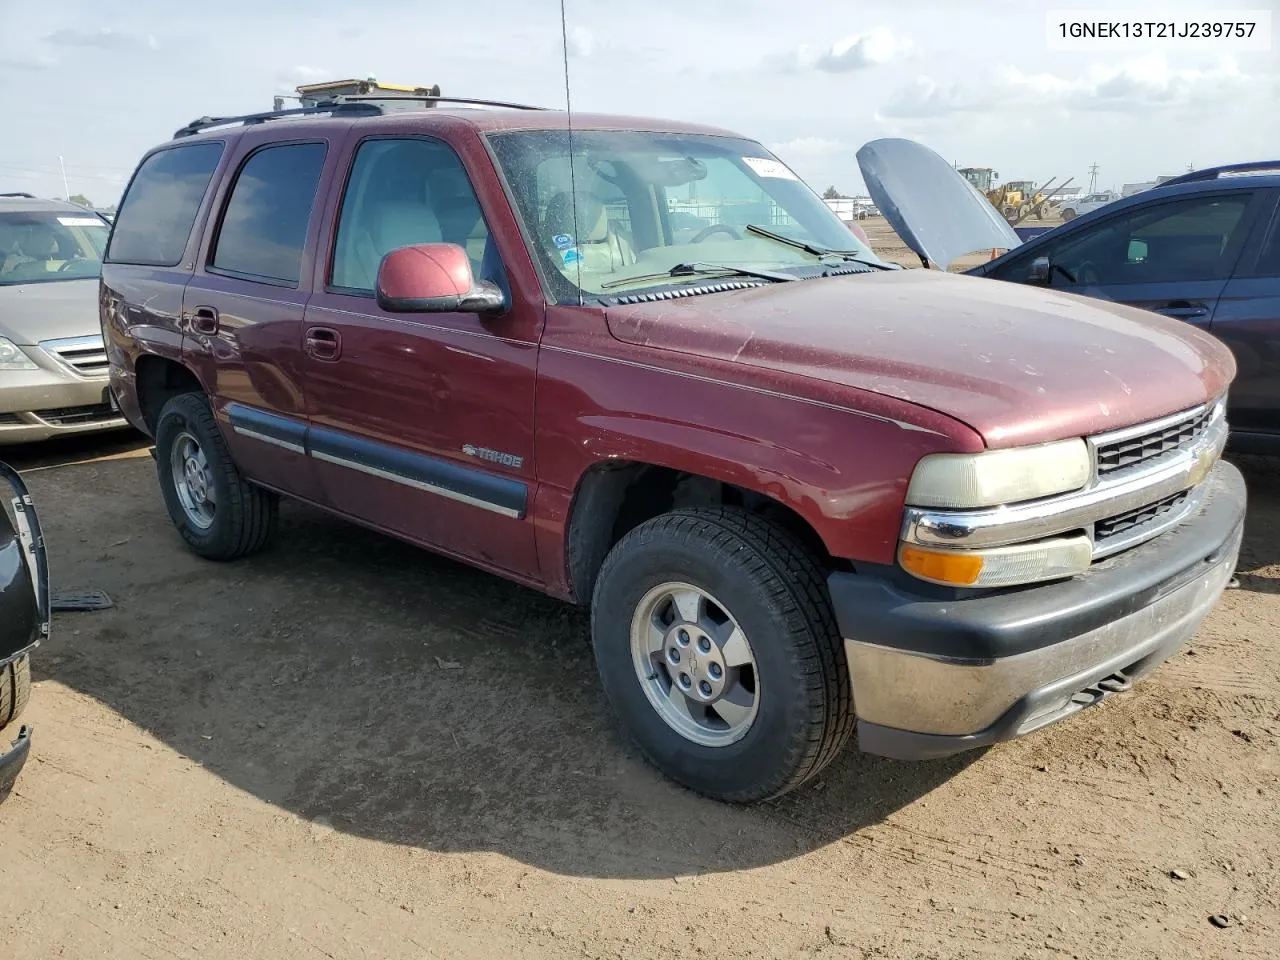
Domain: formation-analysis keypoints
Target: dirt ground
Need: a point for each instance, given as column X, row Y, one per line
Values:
column 349, row 748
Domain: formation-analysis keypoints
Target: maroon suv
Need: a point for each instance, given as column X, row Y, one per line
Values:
column 639, row 365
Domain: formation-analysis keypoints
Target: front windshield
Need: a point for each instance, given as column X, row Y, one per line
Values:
column 42, row 246
column 647, row 202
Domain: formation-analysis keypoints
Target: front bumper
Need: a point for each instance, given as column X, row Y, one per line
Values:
column 47, row 402
column 936, row 677
column 12, row 760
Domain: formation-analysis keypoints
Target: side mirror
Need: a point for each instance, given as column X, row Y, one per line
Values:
column 434, row 278
column 1039, row 272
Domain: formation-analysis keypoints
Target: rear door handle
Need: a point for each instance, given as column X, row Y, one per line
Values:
column 1184, row 309
column 323, row 343
column 204, row 320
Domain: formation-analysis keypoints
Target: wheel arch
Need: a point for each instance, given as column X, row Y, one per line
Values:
column 614, row 497
column 159, row 379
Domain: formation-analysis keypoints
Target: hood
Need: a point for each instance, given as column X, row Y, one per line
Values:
column 1018, row 364
column 937, row 213
column 31, row 312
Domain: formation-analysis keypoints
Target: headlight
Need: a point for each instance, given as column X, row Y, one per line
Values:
column 999, row 566
column 11, row 358
column 998, row 477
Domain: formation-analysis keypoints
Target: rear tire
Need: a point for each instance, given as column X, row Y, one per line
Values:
column 218, row 512
column 793, row 703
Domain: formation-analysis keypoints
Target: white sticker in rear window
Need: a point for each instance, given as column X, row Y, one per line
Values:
column 765, row 167
column 80, row 221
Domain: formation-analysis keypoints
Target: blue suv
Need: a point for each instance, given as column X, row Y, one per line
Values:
column 1203, row 248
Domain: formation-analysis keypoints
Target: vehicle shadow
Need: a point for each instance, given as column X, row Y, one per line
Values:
column 396, row 695
column 1259, row 567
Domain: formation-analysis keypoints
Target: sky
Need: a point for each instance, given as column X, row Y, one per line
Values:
column 97, row 82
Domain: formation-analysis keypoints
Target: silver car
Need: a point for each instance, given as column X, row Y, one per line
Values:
column 53, row 369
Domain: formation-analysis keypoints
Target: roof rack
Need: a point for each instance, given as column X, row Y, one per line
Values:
column 370, row 106
column 1212, row 173
column 248, row 119
column 25, row 196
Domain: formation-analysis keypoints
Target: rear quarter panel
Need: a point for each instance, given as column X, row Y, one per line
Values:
column 140, row 307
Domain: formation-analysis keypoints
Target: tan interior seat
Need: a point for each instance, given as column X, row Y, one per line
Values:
column 602, row 245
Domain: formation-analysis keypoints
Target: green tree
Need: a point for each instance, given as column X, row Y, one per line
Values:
column 81, row 199
column 831, row 193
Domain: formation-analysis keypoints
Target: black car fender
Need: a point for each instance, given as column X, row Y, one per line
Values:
column 24, row 573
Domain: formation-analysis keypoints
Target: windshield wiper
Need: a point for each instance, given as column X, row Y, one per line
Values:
column 851, row 256
column 697, row 269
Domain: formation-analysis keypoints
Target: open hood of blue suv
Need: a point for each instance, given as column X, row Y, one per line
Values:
column 937, row 213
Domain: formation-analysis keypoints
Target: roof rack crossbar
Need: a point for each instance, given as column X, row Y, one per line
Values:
column 20, row 193
column 436, row 98
column 205, row 123
column 1212, row 173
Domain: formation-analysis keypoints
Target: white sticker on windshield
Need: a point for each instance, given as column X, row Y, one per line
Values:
column 765, row 167
column 80, row 221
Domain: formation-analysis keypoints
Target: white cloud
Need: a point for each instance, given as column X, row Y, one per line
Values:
column 1136, row 84
column 304, row 74
column 809, row 147
column 26, row 63
column 857, row 52
column 104, row 38
column 928, row 97
column 582, row 42
column 1133, row 86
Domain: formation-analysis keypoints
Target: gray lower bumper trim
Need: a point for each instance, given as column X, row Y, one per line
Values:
column 915, row 707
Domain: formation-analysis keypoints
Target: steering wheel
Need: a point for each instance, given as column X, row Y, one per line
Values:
column 715, row 228
column 68, row 263
column 1088, row 274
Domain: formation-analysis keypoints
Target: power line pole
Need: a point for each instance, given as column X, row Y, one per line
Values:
column 1093, row 177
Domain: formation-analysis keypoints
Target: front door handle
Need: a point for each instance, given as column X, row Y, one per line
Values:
column 1184, row 309
column 323, row 343
column 204, row 320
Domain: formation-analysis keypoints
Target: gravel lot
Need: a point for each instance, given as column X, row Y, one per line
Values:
column 346, row 747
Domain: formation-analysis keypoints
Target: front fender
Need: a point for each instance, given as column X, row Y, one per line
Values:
column 844, row 471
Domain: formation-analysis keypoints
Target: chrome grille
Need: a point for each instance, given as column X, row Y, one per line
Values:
column 1143, row 444
column 1149, row 491
column 85, row 356
column 1122, row 523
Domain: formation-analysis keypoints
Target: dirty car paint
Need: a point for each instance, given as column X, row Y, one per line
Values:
column 1017, row 364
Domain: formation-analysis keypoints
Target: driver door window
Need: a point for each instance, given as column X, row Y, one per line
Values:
column 1183, row 240
column 404, row 192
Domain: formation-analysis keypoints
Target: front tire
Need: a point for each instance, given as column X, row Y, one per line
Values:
column 716, row 645
column 216, row 510
column 1068, row 214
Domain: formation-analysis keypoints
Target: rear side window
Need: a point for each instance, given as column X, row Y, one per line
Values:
column 159, row 209
column 264, row 226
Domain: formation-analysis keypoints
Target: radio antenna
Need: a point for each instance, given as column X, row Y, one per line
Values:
column 573, row 184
